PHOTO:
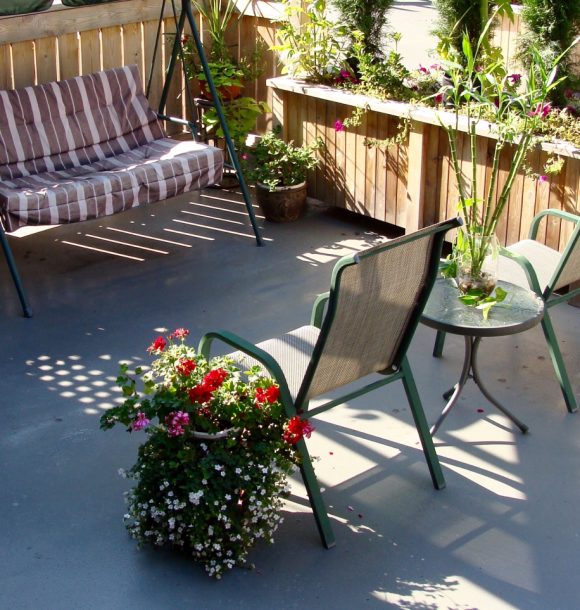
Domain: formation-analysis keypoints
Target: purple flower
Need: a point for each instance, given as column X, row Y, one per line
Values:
column 339, row 125
column 514, row 78
column 141, row 421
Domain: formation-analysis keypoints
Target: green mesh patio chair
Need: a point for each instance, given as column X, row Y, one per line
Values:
column 546, row 271
column 363, row 325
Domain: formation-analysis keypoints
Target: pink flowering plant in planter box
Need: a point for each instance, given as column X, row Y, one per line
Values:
column 212, row 472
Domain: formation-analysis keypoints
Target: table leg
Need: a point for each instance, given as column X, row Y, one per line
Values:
column 486, row 393
column 453, row 393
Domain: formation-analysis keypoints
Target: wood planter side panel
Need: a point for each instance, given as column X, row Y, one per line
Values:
column 413, row 185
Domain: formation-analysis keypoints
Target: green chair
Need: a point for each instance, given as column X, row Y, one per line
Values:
column 363, row 325
column 546, row 271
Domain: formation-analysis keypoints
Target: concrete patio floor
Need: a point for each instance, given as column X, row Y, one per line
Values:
column 505, row 533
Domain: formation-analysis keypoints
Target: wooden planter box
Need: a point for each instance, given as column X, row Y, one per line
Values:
column 411, row 185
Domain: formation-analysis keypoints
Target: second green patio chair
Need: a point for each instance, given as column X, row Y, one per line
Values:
column 546, row 271
column 363, row 325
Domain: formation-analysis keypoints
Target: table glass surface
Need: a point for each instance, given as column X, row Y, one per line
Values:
column 521, row 309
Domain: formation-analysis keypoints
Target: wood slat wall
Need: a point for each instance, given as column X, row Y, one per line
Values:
column 413, row 185
column 66, row 42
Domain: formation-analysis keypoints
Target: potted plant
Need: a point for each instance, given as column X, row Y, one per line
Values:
column 211, row 474
column 229, row 73
column 279, row 170
column 484, row 98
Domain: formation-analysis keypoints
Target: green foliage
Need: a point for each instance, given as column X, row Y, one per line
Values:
column 312, row 46
column 457, row 18
column 241, row 115
column 369, row 17
column 551, row 26
column 517, row 106
column 384, row 78
column 278, row 163
column 213, row 469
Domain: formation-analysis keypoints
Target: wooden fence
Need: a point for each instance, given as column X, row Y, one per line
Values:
column 64, row 42
column 412, row 184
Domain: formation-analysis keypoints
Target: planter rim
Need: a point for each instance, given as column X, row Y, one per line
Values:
column 291, row 187
column 418, row 114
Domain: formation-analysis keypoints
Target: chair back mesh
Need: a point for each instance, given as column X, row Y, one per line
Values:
column 571, row 269
column 375, row 302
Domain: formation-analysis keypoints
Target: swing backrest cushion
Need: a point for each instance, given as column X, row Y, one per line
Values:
column 74, row 122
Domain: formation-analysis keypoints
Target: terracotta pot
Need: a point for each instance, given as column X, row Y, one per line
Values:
column 227, row 93
column 284, row 203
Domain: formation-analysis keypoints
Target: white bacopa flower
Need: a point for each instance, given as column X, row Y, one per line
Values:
column 238, row 471
column 228, row 497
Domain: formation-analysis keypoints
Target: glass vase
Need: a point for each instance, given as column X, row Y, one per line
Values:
column 477, row 264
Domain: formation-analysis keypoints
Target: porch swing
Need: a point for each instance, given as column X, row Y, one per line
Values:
column 91, row 146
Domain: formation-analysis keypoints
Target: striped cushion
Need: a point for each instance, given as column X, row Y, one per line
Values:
column 74, row 122
column 153, row 172
column 88, row 147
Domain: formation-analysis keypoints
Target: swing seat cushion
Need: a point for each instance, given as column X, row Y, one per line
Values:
column 88, row 147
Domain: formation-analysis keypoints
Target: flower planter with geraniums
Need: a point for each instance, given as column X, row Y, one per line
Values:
column 212, row 472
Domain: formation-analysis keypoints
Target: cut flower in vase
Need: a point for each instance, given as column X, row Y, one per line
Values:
column 212, row 472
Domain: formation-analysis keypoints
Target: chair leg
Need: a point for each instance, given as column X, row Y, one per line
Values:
column 422, row 426
column 315, row 497
column 27, row 311
column 439, row 343
column 558, row 362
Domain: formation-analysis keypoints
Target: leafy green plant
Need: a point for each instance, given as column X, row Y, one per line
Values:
column 278, row 163
column 312, row 46
column 212, row 472
column 369, row 17
column 457, row 18
column 517, row 106
column 241, row 115
column 551, row 25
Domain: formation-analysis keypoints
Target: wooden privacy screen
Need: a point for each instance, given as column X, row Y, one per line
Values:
column 411, row 185
column 65, row 42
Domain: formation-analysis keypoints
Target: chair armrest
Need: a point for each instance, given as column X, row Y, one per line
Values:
column 318, row 309
column 558, row 213
column 527, row 267
column 242, row 345
column 173, row 119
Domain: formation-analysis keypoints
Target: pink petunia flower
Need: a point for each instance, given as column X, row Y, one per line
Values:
column 339, row 125
column 514, row 78
column 542, row 178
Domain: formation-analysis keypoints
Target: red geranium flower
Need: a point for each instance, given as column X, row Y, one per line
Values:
column 186, row 367
column 214, row 379
column 270, row 395
column 296, row 429
column 158, row 345
column 200, row 394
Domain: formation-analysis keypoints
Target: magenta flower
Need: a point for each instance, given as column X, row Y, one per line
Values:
column 514, row 78
column 439, row 98
column 339, row 125
column 141, row 421
column 176, row 422
column 542, row 110
column 423, row 69
column 542, row 178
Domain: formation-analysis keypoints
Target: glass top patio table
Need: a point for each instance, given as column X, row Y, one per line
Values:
column 521, row 310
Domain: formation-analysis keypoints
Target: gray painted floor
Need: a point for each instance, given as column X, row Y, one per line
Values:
column 505, row 533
